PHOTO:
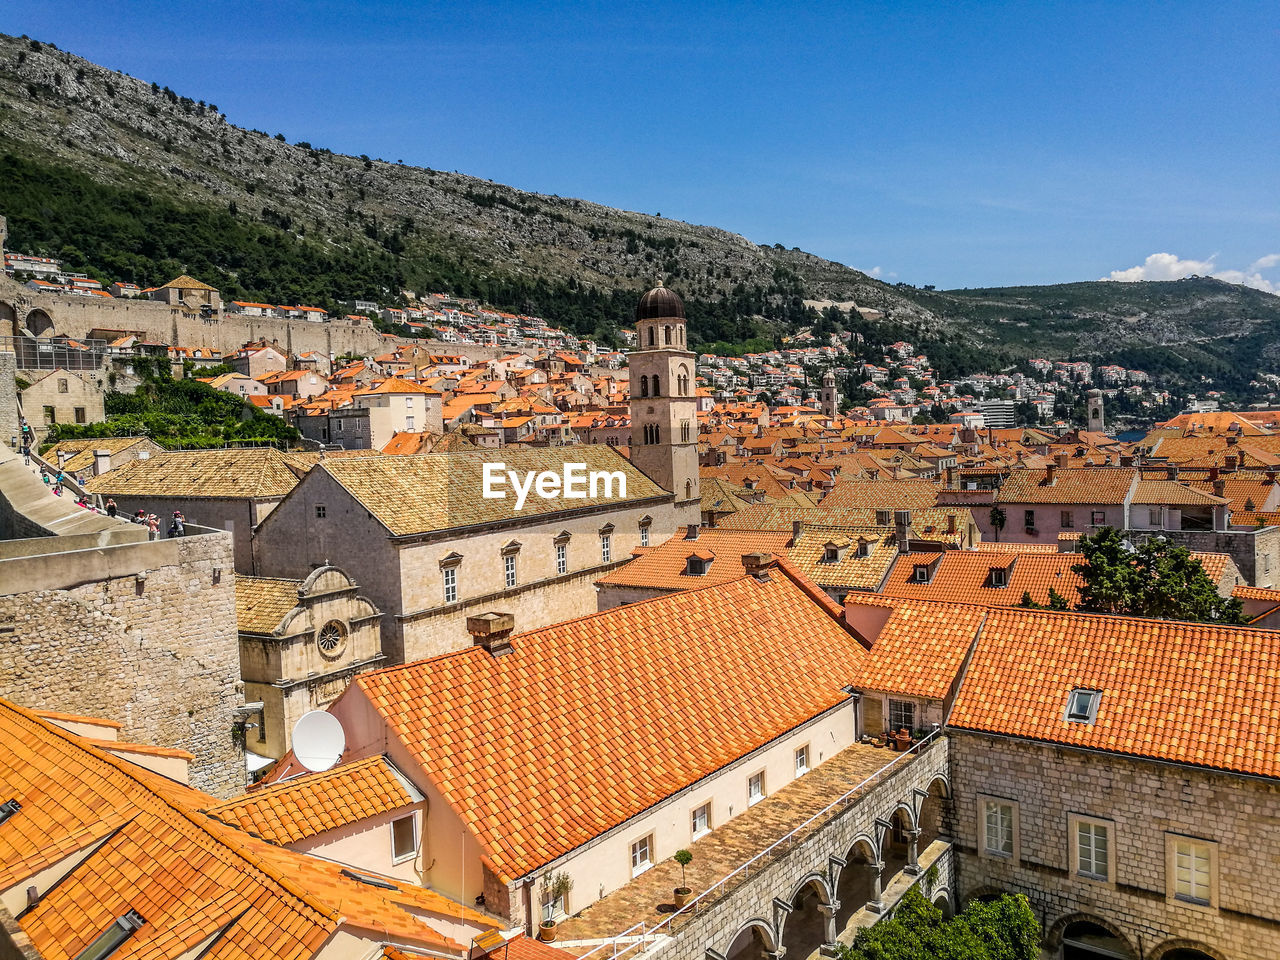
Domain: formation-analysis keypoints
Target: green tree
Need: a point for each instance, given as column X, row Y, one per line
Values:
column 1154, row 579
column 1003, row 929
column 998, row 520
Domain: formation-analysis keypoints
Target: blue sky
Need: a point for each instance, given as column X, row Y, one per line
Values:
column 958, row 144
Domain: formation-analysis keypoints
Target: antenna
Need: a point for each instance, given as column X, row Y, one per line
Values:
column 318, row 740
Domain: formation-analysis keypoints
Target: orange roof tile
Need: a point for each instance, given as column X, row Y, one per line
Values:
column 1083, row 485
column 919, row 650
column 663, row 567
column 721, row 665
column 1170, row 691
column 304, row 806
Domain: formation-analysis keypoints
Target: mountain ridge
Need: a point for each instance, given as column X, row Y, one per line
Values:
column 573, row 260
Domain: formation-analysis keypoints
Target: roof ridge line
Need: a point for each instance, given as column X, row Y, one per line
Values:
column 189, row 817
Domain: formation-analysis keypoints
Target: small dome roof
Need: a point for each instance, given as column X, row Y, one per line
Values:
column 660, row 304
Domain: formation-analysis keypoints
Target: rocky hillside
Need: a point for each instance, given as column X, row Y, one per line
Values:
column 139, row 181
column 61, row 109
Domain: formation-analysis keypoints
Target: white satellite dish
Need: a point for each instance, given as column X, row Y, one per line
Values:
column 318, row 740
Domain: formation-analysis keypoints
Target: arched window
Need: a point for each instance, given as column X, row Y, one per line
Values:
column 644, row 386
column 688, row 489
column 657, row 390
column 651, row 336
column 684, row 431
column 667, row 335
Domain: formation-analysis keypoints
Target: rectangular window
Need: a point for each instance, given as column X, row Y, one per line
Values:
column 509, row 570
column 1092, row 840
column 451, row 585
column 1154, row 516
column 49, row 416
column 408, row 422
column 404, row 839
column 701, row 820
column 1068, row 519
column 337, row 426
column 1192, row 871
column 998, row 828
column 606, row 548
column 641, row 855
column 553, row 907
column 755, row 788
column 1029, row 519
column 644, row 536
column 62, row 385
column 802, row 760
column 562, row 558
column 1097, row 518
column 80, row 415
column 319, row 511
column 902, row 715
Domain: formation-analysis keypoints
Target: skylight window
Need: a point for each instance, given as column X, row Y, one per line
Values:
column 1082, row 705
column 113, row 937
column 8, row 809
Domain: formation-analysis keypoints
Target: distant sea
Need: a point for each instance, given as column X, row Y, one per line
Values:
column 1131, row 436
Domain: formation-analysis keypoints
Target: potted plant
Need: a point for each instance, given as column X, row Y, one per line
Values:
column 684, row 891
column 555, row 888
column 902, row 739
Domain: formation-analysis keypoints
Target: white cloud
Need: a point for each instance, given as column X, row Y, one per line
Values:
column 1162, row 266
column 873, row 272
column 1168, row 266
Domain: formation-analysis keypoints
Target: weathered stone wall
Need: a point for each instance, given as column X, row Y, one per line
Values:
column 717, row 926
column 1145, row 801
column 142, row 633
column 8, row 396
column 1256, row 552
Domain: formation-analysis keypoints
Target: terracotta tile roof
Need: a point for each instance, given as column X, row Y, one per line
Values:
column 396, row 386
column 262, row 602
column 185, row 282
column 1174, row 494
column 304, row 806
column 440, row 491
column 81, row 451
column 663, row 567
column 882, row 494
column 260, row 473
column 1245, row 592
column 721, row 665
column 808, row 553
column 1085, row 485
column 189, row 876
column 1181, row 692
column 919, row 650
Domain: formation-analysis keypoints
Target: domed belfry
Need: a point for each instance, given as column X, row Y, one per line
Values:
column 664, row 408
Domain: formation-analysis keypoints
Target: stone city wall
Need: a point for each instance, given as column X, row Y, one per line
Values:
column 142, row 633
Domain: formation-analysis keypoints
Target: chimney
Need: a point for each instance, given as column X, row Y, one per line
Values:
column 1273, row 474
column 492, row 631
column 1061, row 461
column 1231, row 462
column 691, row 532
column 796, row 527
column 902, row 530
column 1213, row 474
column 101, row 462
column 1233, row 440
column 1126, row 460
column 951, row 523
column 1173, row 471
column 757, row 565
column 1219, row 488
column 1050, row 474
column 63, row 457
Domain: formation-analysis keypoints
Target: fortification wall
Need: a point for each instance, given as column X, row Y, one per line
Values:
column 143, row 633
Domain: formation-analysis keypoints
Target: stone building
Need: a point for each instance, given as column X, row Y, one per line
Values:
column 301, row 642
column 430, row 549
column 233, row 490
column 190, row 293
column 1123, row 775
column 94, row 619
column 63, row 396
column 664, row 416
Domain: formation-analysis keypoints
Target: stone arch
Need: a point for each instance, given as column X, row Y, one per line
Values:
column 1185, row 950
column 39, row 323
column 857, row 884
column 1064, row 926
column 942, row 900
column 931, row 809
column 8, row 320
column 753, row 941
column 895, row 841
column 805, row 928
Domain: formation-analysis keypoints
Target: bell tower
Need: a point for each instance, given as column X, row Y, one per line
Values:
column 664, row 413
column 830, row 395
